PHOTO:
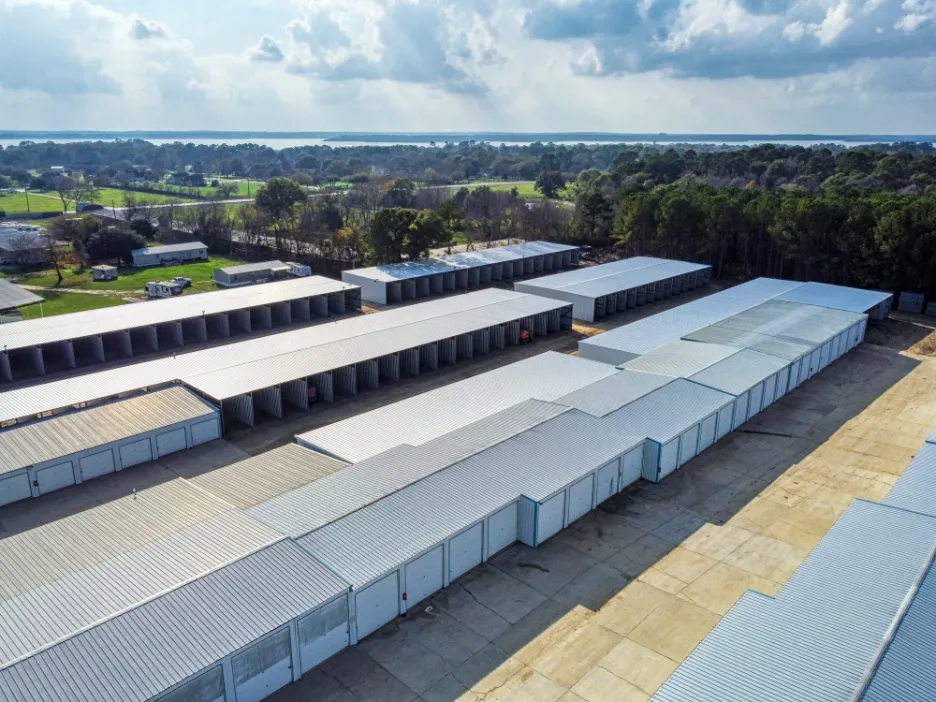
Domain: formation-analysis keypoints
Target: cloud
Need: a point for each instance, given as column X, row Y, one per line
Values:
column 142, row 30
column 318, row 31
column 266, row 51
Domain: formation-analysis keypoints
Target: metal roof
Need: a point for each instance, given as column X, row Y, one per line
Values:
column 257, row 479
column 69, row 574
column 27, row 445
column 680, row 359
column 837, row 297
column 500, row 254
column 406, row 270
column 47, row 330
column 25, row 402
column 906, row 671
column 915, row 489
column 787, row 349
column 822, row 633
column 792, row 320
column 249, row 267
column 614, row 282
column 14, row 296
column 739, row 373
column 317, row 504
column 587, row 273
column 604, row 396
column 932, row 437
column 148, row 649
column 419, row 419
column 169, row 248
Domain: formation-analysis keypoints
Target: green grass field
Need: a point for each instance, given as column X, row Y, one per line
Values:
column 63, row 303
column 50, row 201
column 17, row 204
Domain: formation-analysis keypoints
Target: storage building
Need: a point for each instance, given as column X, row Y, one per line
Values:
column 48, row 455
column 598, row 291
column 37, row 347
column 680, row 359
column 250, row 274
column 104, row 272
column 13, row 296
column 171, row 254
column 874, row 303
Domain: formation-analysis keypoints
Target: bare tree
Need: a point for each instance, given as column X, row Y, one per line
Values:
column 65, row 187
column 85, row 191
column 139, row 207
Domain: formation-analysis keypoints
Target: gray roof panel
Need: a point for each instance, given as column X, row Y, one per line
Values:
column 739, row 373
column 609, row 394
column 837, row 297
column 786, row 349
column 14, row 296
column 680, row 359
column 251, row 267
column 170, row 248
column 915, row 489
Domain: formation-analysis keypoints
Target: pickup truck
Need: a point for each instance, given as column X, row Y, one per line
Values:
column 184, row 282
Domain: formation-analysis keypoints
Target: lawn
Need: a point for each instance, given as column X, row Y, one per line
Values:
column 133, row 279
column 16, row 203
column 63, row 303
column 51, row 202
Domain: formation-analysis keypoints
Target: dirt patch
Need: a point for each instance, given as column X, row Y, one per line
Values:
column 904, row 332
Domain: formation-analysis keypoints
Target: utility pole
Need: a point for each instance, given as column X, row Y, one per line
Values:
column 26, row 191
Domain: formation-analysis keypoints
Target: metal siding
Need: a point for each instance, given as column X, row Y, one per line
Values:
column 423, row 576
column 465, row 551
column 503, row 528
column 550, row 516
column 739, row 373
column 837, row 297
column 613, row 392
column 580, row 497
column 680, row 359
column 915, row 489
column 377, row 604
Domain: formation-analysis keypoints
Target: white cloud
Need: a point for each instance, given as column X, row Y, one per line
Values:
column 266, row 50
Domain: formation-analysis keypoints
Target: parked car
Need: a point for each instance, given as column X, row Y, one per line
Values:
column 184, row 282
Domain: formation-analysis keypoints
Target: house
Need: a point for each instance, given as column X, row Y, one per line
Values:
column 173, row 253
column 250, row 274
column 104, row 272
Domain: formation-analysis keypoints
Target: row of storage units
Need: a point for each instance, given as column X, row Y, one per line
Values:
column 40, row 347
column 48, row 455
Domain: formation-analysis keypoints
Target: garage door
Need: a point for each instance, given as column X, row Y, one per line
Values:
column 15, row 488
column 740, row 410
column 688, row 445
column 825, row 355
column 669, row 458
column 96, row 465
column 55, row 477
column 323, row 633
column 207, row 687
column 707, row 432
column 580, row 498
column 138, row 452
column 502, row 529
column 606, row 481
column 862, row 328
column 204, row 432
column 783, row 378
column 465, row 551
column 263, row 668
column 377, row 604
column 631, row 467
column 757, row 400
column 170, row 442
column 423, row 576
column 838, row 348
column 770, row 391
column 814, row 364
column 549, row 515
column 725, row 415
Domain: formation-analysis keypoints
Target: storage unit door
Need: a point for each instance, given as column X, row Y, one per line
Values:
column 96, row 465
column 133, row 454
column 323, row 633
column 170, row 442
column 377, row 604
column 725, row 415
column 465, row 551
column 549, row 516
column 55, row 477
column 707, row 432
column 770, row 391
column 669, row 457
column 264, row 668
column 207, row 687
column 606, row 481
column 825, row 354
column 631, row 467
column 740, row 410
column 814, row 362
column 757, row 399
column 204, row 432
column 580, row 498
column 688, row 445
column 423, row 576
column 502, row 529
column 15, row 488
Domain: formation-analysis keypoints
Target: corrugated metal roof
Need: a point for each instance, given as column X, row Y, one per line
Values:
column 169, row 248
column 499, row 254
column 588, row 273
column 791, row 320
column 14, row 296
column 47, row 330
column 317, row 504
column 906, row 671
column 143, row 652
column 739, row 373
column 24, row 446
column 257, row 479
column 250, row 267
column 400, row 271
column 787, row 349
column 915, row 489
column 821, row 634
column 262, row 373
column 837, row 297
column 93, row 386
column 680, row 359
column 71, row 573
column 616, row 282
column 932, row 437
column 429, row 415
column 612, row 393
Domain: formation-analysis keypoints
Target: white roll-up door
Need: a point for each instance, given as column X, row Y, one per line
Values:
column 770, row 391
column 323, row 633
column 725, row 415
column 170, row 442
column 423, row 576
column 580, row 498
column 631, row 467
column 206, row 687
column 815, row 362
column 740, row 410
column 688, row 445
column 606, row 481
column 825, row 355
column 377, row 604
column 96, row 465
column 465, row 551
column 138, row 452
column 264, row 668
column 757, row 400
column 783, row 378
column 203, row 432
column 707, row 432
column 549, row 517
column 55, row 477
column 669, row 457
column 14, row 488
column 502, row 529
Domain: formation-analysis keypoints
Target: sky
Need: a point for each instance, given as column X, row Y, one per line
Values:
column 719, row 66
